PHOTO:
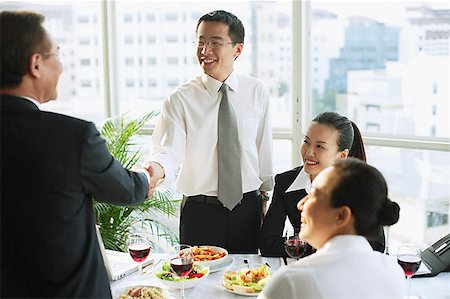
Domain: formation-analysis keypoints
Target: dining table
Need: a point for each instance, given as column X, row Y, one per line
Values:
column 437, row 287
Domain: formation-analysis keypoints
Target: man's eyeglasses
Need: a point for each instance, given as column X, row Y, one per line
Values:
column 213, row 44
column 59, row 54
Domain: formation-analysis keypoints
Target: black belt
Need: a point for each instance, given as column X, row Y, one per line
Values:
column 213, row 199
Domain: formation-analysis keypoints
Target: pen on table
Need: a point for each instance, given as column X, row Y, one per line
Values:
column 285, row 260
column 150, row 267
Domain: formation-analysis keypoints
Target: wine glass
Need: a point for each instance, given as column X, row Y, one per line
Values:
column 139, row 248
column 181, row 262
column 408, row 257
column 294, row 246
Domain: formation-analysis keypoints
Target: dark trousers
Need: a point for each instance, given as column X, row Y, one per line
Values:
column 205, row 221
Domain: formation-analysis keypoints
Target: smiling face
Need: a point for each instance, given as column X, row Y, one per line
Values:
column 218, row 62
column 320, row 148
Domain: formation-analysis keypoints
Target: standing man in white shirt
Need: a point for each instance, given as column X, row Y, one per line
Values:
column 188, row 134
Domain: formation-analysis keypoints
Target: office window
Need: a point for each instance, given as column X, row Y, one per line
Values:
column 176, row 26
column 369, row 71
column 71, row 25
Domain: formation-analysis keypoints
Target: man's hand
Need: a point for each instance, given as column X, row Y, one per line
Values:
column 264, row 201
column 156, row 173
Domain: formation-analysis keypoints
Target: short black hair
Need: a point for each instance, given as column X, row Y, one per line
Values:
column 236, row 30
column 21, row 35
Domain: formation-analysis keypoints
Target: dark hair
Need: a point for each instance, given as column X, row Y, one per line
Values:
column 349, row 134
column 21, row 35
column 363, row 189
column 236, row 30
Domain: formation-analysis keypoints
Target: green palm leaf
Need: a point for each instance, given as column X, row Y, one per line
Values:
column 116, row 222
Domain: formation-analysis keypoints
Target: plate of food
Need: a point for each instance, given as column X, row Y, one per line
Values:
column 209, row 256
column 247, row 281
column 142, row 292
column 173, row 281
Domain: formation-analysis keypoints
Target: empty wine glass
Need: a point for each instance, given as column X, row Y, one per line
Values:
column 139, row 248
column 409, row 258
column 181, row 262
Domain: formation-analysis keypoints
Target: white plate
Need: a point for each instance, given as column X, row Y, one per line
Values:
column 228, row 261
column 122, row 291
column 215, row 262
column 242, row 294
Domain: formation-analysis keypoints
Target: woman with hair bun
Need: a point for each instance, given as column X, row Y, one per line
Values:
column 330, row 137
column 348, row 202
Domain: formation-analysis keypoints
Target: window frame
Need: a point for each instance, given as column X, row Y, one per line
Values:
column 301, row 97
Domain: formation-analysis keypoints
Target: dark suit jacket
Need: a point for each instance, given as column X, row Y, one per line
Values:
column 285, row 205
column 51, row 167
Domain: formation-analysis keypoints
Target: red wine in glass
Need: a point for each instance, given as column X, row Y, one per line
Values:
column 139, row 248
column 409, row 258
column 295, row 248
column 139, row 252
column 182, row 266
column 409, row 263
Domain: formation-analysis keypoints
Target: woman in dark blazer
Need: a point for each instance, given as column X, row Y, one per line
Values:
column 330, row 137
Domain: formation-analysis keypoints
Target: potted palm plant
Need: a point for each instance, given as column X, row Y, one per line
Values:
column 116, row 222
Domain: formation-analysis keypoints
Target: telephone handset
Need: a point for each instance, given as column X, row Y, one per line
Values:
column 437, row 257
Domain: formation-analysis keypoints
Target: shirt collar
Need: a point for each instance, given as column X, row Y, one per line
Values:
column 213, row 85
column 32, row 100
column 302, row 181
column 346, row 243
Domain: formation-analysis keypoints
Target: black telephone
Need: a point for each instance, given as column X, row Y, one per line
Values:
column 437, row 257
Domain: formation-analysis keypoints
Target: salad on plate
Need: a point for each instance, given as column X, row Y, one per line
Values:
column 171, row 280
column 247, row 280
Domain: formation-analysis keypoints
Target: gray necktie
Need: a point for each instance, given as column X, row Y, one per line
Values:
column 229, row 155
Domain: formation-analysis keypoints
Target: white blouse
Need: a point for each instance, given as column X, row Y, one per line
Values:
column 345, row 267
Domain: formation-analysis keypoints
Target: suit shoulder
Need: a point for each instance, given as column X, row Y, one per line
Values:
column 67, row 120
column 289, row 175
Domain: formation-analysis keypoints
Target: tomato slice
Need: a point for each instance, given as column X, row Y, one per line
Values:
column 196, row 275
column 135, row 292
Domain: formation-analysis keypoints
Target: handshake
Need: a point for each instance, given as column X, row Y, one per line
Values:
column 154, row 173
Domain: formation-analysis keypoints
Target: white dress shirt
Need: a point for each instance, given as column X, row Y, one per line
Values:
column 302, row 181
column 345, row 267
column 186, row 134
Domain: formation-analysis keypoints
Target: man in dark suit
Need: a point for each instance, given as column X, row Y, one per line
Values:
column 51, row 167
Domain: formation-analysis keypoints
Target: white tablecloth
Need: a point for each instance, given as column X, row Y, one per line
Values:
column 427, row 288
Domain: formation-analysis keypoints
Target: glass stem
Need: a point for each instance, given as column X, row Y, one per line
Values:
column 408, row 278
column 140, row 268
column 182, row 288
